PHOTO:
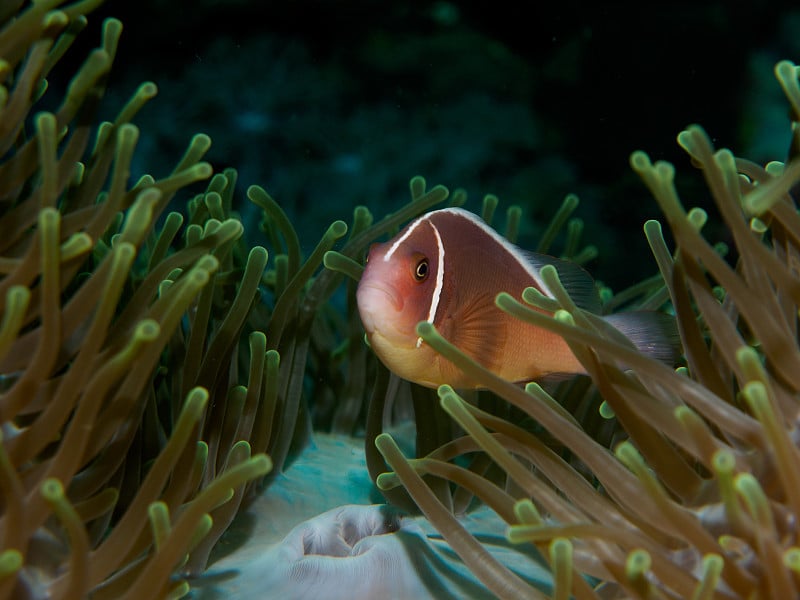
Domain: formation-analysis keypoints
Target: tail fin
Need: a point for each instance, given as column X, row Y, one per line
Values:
column 655, row 334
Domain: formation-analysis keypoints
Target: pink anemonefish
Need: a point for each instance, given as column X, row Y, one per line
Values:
column 446, row 267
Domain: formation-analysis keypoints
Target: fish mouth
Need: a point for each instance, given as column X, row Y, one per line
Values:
column 373, row 302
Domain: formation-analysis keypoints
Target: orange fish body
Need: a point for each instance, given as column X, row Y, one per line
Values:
column 447, row 267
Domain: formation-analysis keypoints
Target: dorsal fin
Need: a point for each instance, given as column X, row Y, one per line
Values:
column 575, row 279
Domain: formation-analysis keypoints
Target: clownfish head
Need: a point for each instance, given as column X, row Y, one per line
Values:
column 399, row 288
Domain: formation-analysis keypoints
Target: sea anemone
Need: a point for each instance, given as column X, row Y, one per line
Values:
column 153, row 368
column 140, row 394
column 699, row 494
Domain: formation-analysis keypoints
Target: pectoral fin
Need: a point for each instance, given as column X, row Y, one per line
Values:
column 479, row 329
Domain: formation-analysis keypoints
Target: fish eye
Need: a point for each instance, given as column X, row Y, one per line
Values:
column 421, row 270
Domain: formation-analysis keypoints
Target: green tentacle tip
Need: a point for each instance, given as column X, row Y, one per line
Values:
column 711, row 570
column 259, row 256
column 520, row 534
column 201, row 170
column 224, row 499
column 147, row 330
column 336, row 230
column 459, row 197
column 127, row 135
column 52, row 490
column 46, row 123
column 775, row 168
column 629, row 456
column 417, row 186
column 562, row 316
column 531, row 295
column 97, row 63
column 749, row 361
column 692, row 139
column 561, row 559
column 723, row 462
column 755, row 499
column 362, row 217
column 145, row 181
column 791, row 559
column 445, row 390
column 11, row 561
column 758, row 226
column 697, row 218
column 148, row 90
column 684, row 414
column 731, row 543
column 259, row 465
column 786, row 73
column 203, row 527
column 587, row 254
column 569, row 204
column 526, row 512
column 112, row 27
column 725, row 160
column 207, row 264
column 757, row 397
column 387, row 481
column 76, row 245
column 273, row 359
column 174, row 274
column 449, row 400
column 17, row 300
column 426, row 330
column 549, row 273
column 652, row 228
column 336, row 261
column 561, row 552
column 384, row 442
column 210, row 227
column 665, row 171
column 198, row 277
column 158, row 514
column 180, row 590
column 640, row 161
column 490, row 202
column 164, row 287
column 201, row 453
column 213, row 200
column 606, row 411
column 239, row 453
column 49, row 218
column 637, row 564
column 200, row 142
column 55, row 19
column 196, row 401
column 513, row 217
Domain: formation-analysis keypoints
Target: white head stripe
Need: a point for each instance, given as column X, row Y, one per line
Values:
column 437, row 290
column 387, row 257
column 507, row 246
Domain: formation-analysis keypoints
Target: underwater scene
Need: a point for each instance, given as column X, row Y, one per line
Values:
column 378, row 300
